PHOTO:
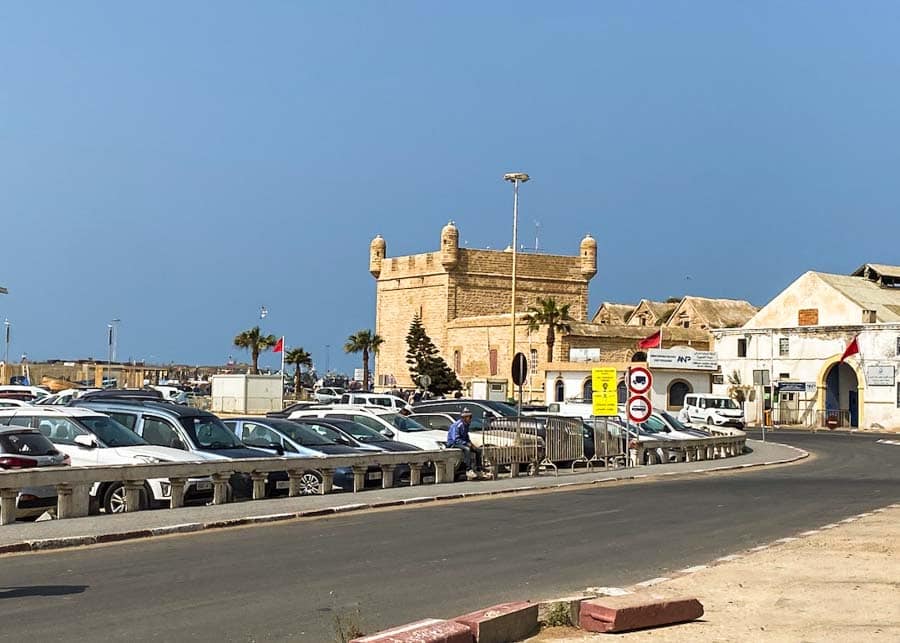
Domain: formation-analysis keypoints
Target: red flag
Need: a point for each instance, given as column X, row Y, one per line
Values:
column 852, row 349
column 652, row 341
column 279, row 346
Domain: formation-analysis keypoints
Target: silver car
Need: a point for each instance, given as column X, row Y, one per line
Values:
column 24, row 448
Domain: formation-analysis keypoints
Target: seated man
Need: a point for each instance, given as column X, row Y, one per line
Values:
column 458, row 438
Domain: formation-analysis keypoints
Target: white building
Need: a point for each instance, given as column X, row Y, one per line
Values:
column 797, row 341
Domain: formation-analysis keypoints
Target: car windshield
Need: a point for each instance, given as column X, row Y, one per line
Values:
column 208, row 432
column 110, row 432
column 501, row 407
column 674, row 422
column 304, row 434
column 26, row 443
column 362, row 433
column 654, row 425
column 332, row 436
column 720, row 403
column 403, row 422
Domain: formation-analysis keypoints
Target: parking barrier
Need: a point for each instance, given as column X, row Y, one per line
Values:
column 73, row 484
column 609, row 448
column 512, row 442
column 563, row 443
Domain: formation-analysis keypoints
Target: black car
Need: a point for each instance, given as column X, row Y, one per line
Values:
column 481, row 409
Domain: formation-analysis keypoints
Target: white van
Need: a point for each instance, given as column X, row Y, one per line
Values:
column 712, row 410
column 374, row 399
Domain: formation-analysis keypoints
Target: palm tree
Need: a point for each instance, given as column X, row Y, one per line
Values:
column 298, row 357
column 253, row 341
column 365, row 342
column 554, row 317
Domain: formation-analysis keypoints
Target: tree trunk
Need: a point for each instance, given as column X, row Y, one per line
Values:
column 297, row 382
column 551, row 341
column 254, row 354
column 365, row 370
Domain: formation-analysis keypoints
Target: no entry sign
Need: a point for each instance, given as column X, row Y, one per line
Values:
column 638, row 408
column 639, row 380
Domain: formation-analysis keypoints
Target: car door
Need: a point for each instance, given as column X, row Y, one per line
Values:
column 162, row 432
column 256, row 435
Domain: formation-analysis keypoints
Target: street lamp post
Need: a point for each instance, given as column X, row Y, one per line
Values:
column 6, row 325
column 515, row 178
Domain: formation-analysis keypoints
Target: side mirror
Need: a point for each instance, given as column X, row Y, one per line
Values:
column 86, row 441
column 279, row 449
column 388, row 434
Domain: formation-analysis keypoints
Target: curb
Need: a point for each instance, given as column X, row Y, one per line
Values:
column 80, row 541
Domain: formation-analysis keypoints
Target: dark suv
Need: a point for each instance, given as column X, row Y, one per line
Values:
column 481, row 409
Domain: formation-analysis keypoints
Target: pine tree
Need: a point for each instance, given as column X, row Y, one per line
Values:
column 423, row 358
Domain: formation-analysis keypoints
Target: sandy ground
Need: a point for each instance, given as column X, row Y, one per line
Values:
column 842, row 584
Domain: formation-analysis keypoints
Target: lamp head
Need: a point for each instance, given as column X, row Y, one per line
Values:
column 512, row 177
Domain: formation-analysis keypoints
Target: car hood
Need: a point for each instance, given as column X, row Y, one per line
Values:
column 162, row 453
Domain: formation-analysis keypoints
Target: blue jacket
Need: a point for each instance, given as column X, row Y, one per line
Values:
column 458, row 432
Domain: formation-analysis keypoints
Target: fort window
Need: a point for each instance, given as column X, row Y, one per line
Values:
column 742, row 347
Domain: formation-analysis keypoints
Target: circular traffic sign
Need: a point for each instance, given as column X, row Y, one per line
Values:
column 639, row 380
column 424, row 381
column 639, row 409
column 519, row 369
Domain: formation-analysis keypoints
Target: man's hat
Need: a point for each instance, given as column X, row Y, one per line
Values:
column 466, row 412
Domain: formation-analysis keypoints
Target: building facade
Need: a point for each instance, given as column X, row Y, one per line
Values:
column 463, row 297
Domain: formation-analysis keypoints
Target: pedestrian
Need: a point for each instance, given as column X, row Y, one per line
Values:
column 417, row 396
column 458, row 438
column 457, row 395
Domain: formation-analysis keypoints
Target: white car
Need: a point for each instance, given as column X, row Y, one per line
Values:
column 171, row 393
column 374, row 399
column 35, row 391
column 90, row 438
column 328, row 394
column 8, row 403
column 389, row 423
column 712, row 410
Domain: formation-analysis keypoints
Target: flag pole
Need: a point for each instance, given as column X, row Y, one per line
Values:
column 282, row 360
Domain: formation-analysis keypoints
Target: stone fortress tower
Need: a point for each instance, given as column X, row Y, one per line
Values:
column 463, row 298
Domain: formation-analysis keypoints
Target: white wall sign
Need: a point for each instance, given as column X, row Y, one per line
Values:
column 688, row 360
column 584, row 354
column 880, row 375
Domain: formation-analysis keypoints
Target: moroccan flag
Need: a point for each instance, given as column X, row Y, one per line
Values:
column 651, row 342
column 279, row 345
column 852, row 348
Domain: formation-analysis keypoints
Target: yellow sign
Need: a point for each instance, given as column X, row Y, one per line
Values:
column 605, row 398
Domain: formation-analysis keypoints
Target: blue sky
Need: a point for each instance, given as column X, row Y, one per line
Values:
column 177, row 165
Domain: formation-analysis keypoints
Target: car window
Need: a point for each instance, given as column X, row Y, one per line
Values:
column 208, row 432
column 257, row 435
column 654, row 425
column 128, row 420
column 362, row 432
column 380, row 401
column 60, row 430
column 365, row 420
column 161, row 433
column 403, row 422
column 332, row 435
column 26, row 443
column 110, row 432
column 438, row 422
column 22, row 420
column 345, row 399
column 305, row 434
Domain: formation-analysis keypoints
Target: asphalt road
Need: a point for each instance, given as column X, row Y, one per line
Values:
column 293, row 580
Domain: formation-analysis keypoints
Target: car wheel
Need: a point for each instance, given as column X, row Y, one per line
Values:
column 114, row 499
column 310, row 483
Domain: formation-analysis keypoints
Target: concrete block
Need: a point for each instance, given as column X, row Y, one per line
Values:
column 562, row 611
column 502, row 623
column 636, row 611
column 429, row 630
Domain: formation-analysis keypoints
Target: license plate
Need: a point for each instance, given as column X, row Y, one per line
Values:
column 282, row 484
column 427, row 479
column 375, row 475
column 204, row 486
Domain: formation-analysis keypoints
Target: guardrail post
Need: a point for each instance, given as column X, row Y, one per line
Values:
column 63, row 501
column 259, row 484
column 359, row 477
column 387, row 475
column 133, row 489
column 176, row 493
column 415, row 474
column 327, row 480
column 8, row 506
column 220, row 487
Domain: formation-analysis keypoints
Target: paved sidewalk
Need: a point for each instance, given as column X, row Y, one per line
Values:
column 103, row 528
column 839, row 583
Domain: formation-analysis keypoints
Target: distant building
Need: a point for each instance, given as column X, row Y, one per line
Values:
column 797, row 340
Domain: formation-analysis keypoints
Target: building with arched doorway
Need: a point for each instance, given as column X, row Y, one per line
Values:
column 797, row 345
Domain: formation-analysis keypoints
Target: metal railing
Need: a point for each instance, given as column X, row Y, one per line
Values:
column 73, row 484
column 833, row 419
column 512, row 442
column 563, row 442
column 726, row 443
column 609, row 446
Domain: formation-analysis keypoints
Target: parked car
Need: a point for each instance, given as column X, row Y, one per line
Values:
column 481, row 409
column 9, row 402
column 22, row 448
column 171, row 393
column 712, row 410
column 33, row 391
column 328, row 394
column 391, row 424
column 676, row 425
column 286, row 411
column 62, row 398
column 91, row 438
column 374, row 399
column 187, row 429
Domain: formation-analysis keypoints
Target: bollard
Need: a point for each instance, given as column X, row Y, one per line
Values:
column 8, row 499
column 63, row 501
column 176, row 499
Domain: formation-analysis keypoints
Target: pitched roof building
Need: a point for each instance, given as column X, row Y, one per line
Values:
column 706, row 314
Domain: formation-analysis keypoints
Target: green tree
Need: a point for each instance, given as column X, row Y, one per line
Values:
column 554, row 317
column 365, row 342
column 423, row 358
column 255, row 342
column 298, row 357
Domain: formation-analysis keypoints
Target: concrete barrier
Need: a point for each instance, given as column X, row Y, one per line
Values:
column 502, row 623
column 73, row 484
column 636, row 611
column 430, row 630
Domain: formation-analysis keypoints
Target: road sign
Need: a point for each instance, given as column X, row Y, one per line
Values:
column 639, row 380
column 519, row 369
column 605, row 396
column 639, row 409
column 424, row 381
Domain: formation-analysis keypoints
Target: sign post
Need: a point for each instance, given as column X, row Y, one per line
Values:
column 638, row 408
column 519, row 374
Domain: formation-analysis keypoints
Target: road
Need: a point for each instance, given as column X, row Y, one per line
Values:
column 292, row 580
